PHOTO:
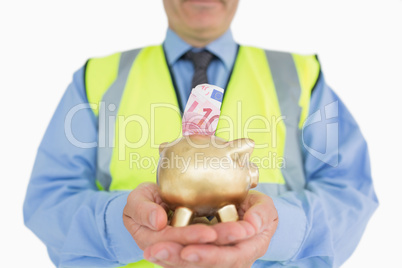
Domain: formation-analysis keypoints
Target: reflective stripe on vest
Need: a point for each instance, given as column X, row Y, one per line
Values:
column 267, row 99
column 108, row 107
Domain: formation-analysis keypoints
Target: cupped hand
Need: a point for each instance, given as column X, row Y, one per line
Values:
column 258, row 223
column 145, row 217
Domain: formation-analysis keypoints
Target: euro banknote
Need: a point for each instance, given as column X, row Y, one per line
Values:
column 202, row 111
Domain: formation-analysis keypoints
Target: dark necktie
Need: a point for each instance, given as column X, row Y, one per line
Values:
column 200, row 60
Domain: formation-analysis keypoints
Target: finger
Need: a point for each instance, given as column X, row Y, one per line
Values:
column 242, row 254
column 232, row 232
column 197, row 233
column 211, row 255
column 260, row 211
column 166, row 254
column 144, row 207
column 193, row 234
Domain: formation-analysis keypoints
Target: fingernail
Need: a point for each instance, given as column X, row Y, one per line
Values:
column 152, row 219
column 162, row 255
column 258, row 221
column 192, row 258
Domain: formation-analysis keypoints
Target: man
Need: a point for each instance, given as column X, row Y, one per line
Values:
column 92, row 197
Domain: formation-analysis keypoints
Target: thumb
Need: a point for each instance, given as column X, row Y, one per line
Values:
column 144, row 207
column 260, row 211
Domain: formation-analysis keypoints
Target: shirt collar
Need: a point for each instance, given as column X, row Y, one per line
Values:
column 225, row 48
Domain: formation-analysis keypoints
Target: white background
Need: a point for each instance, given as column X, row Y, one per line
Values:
column 44, row 42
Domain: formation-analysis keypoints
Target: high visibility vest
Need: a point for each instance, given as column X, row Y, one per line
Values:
column 134, row 98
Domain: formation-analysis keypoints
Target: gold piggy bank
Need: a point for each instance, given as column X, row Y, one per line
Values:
column 202, row 175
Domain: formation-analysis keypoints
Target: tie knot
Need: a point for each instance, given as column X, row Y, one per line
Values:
column 201, row 59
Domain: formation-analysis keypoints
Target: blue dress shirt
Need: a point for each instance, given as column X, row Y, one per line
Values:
column 82, row 226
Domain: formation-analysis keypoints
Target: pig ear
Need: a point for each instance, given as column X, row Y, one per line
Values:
column 162, row 146
column 241, row 147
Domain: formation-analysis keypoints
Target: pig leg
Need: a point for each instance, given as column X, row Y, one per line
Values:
column 182, row 217
column 227, row 213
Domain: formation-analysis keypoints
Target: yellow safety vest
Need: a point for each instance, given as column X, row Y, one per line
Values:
column 266, row 99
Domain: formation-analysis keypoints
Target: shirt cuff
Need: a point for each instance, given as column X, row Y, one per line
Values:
column 289, row 235
column 120, row 240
